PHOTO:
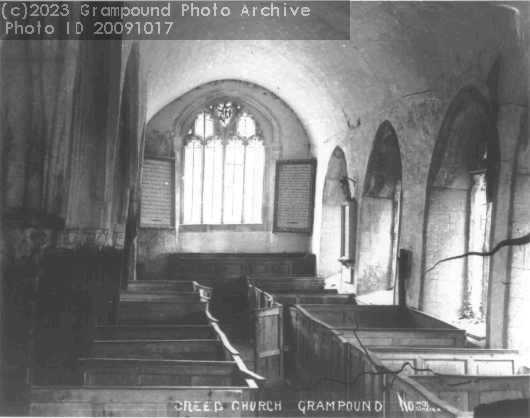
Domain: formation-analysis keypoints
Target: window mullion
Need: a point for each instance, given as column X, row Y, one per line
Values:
column 234, row 154
column 203, row 149
column 223, row 144
column 243, row 192
column 192, row 183
column 212, row 180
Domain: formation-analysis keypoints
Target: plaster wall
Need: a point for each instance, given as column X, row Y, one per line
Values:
column 330, row 241
column 376, row 245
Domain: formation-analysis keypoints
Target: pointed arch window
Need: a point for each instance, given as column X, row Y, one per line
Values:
column 224, row 162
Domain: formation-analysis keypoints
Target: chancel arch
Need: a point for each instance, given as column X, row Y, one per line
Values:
column 380, row 214
column 457, row 212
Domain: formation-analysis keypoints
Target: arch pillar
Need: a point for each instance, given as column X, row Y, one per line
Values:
column 509, row 125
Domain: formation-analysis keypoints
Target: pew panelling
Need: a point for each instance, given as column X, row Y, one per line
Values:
column 161, row 285
column 160, row 349
column 293, row 284
column 169, row 313
column 467, row 392
column 134, row 372
column 205, row 268
column 268, row 354
column 154, row 296
column 155, row 332
column 303, row 298
column 403, row 337
column 143, row 401
column 449, row 360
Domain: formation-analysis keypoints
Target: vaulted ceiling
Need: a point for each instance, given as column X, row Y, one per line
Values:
column 395, row 49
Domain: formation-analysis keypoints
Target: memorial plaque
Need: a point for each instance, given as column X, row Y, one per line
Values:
column 157, row 193
column 295, row 194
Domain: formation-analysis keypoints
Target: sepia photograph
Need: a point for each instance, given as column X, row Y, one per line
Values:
column 265, row 209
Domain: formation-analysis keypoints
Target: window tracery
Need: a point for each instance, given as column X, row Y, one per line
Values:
column 224, row 163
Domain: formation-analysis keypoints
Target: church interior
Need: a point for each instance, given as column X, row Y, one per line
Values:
column 228, row 224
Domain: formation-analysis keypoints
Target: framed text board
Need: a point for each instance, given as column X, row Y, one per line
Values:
column 294, row 196
column 158, row 192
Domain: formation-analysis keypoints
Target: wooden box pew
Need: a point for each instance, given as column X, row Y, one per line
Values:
column 163, row 313
column 161, row 285
column 134, row 372
column 211, row 401
column 262, row 289
column 160, row 349
column 333, row 368
column 467, row 392
column 449, row 360
column 156, row 332
column 385, row 325
column 162, row 296
column 230, row 370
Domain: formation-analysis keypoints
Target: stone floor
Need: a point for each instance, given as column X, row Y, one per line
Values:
column 285, row 394
column 241, row 343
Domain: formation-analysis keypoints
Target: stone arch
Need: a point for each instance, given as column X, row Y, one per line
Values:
column 332, row 199
column 380, row 214
column 455, row 196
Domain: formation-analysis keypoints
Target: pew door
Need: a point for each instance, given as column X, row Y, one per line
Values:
column 269, row 343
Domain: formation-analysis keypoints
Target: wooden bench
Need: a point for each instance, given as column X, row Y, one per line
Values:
column 142, row 401
column 469, row 391
column 159, row 349
column 133, row 372
column 449, row 360
column 156, row 332
column 163, row 313
column 162, row 296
